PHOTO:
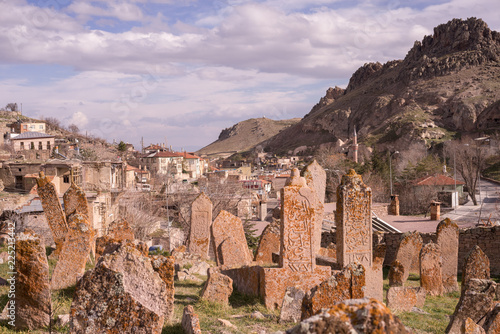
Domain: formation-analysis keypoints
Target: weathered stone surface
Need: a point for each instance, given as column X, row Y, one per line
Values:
column 347, row 284
column 330, row 251
column 190, row 321
column 470, row 327
column 269, row 243
column 375, row 276
column 103, row 242
column 353, row 221
column 228, row 226
column 447, row 238
column 401, row 298
column 114, row 246
column 75, row 201
column 315, row 177
column 245, row 279
column 475, row 302
column 431, row 278
column 122, row 294
column 165, row 267
column 274, row 281
column 53, row 211
column 396, row 273
column 352, row 316
column 218, row 288
column 492, row 322
column 476, row 265
column 32, row 291
column 291, row 308
column 74, row 254
column 408, row 253
column 301, row 222
column 201, row 219
column 121, row 230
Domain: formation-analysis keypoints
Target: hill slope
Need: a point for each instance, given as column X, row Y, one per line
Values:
column 449, row 82
column 245, row 135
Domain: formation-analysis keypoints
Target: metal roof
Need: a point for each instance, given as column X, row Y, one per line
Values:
column 32, row 135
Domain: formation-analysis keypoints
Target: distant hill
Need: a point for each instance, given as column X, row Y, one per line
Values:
column 245, row 135
column 448, row 84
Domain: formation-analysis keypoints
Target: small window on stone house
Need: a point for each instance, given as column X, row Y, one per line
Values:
column 48, row 145
column 66, row 178
column 40, row 146
column 22, row 145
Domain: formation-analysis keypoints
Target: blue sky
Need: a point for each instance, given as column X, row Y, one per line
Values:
column 183, row 70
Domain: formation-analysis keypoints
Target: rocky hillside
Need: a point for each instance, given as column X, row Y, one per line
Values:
column 245, row 135
column 447, row 83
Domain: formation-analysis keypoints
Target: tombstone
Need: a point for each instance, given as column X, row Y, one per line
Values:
column 75, row 201
column 218, row 288
column 401, row 298
column 377, row 273
column 476, row 265
column 476, row 300
column 396, row 273
column 227, row 229
column 190, row 321
column 291, row 308
column 122, row 294
column 353, row 219
column 74, row 253
column 447, row 238
column 53, row 211
column 408, row 253
column 121, row 230
column 165, row 267
column 199, row 232
column 301, row 210
column 262, row 210
column 431, row 278
column 470, row 327
column 352, row 316
column 315, row 177
column 32, row 301
column 346, row 284
column 492, row 320
column 269, row 243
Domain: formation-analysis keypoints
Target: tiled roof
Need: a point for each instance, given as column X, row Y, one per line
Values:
column 32, row 135
column 437, row 180
column 167, row 154
column 186, row 155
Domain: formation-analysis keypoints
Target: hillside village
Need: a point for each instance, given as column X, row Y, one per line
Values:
column 273, row 237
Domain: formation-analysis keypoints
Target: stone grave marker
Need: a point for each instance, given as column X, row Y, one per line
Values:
column 190, row 321
column 291, row 308
column 269, row 243
column 53, row 211
column 447, row 239
column 165, row 267
column 408, row 253
column 431, row 278
column 32, row 300
column 75, row 201
column 120, row 230
column 201, row 220
column 476, row 265
column 227, row 229
column 315, row 177
column 402, row 298
column 74, row 254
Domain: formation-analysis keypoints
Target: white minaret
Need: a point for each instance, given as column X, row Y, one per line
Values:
column 355, row 147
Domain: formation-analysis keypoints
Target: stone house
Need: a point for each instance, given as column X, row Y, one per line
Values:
column 163, row 162
column 32, row 141
column 20, row 127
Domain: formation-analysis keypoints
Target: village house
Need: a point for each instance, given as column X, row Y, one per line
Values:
column 449, row 190
column 32, row 141
column 20, row 127
column 163, row 162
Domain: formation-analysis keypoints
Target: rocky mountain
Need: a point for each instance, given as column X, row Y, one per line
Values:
column 447, row 83
column 245, row 135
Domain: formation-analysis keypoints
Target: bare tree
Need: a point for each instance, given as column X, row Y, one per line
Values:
column 73, row 128
column 11, row 107
column 469, row 159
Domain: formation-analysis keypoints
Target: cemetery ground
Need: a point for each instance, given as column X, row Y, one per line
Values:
column 246, row 313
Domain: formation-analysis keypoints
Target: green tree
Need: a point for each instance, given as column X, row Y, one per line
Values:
column 122, row 146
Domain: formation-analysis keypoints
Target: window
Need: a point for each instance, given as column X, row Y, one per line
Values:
column 40, row 127
column 40, row 146
column 22, row 145
column 48, row 145
column 66, row 178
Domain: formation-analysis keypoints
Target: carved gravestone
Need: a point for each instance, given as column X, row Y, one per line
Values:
column 122, row 294
column 74, row 254
column 477, row 265
column 75, row 201
column 301, row 212
column 408, row 253
column 447, row 238
column 121, row 230
column 230, row 244
column 32, row 290
column 353, row 219
column 199, row 232
column 269, row 243
column 431, row 278
column 396, row 273
column 315, row 177
column 53, row 211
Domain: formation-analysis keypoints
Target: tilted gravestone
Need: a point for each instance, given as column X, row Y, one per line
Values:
column 431, row 263
column 199, row 232
column 447, row 238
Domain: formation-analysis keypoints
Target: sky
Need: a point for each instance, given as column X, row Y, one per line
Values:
column 180, row 71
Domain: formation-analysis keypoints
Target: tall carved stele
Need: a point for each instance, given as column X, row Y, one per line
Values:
column 201, row 220
column 353, row 220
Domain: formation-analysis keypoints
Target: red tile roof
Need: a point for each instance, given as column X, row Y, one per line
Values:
column 437, row 180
